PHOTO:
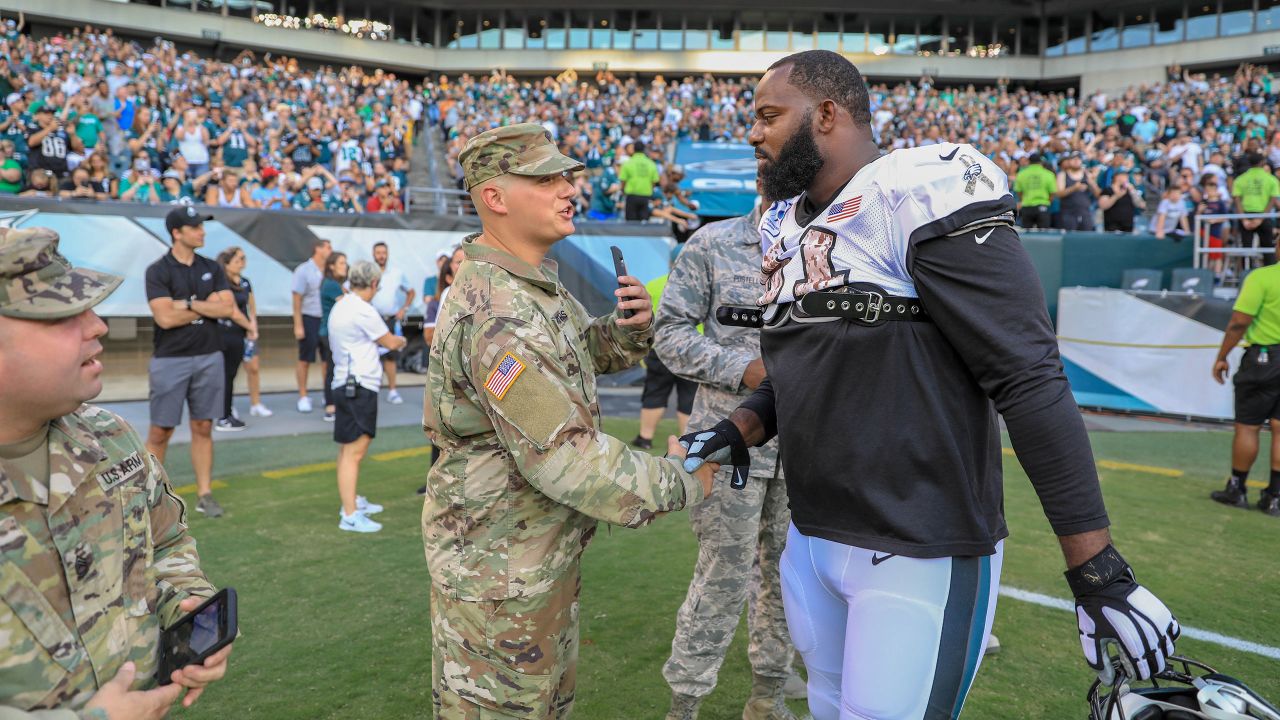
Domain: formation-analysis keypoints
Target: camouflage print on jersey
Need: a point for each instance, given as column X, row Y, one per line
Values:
column 736, row 529
column 38, row 283
column 525, row 471
column 524, row 149
column 94, row 560
column 505, row 658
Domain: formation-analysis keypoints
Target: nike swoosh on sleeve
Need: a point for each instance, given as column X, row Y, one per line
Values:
column 949, row 155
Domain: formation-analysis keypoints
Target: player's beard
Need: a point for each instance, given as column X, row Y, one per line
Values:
column 797, row 164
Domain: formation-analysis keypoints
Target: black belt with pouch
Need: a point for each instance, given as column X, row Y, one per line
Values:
column 860, row 303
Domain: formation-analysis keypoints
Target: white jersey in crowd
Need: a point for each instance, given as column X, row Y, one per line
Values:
column 393, row 288
column 354, row 329
column 864, row 235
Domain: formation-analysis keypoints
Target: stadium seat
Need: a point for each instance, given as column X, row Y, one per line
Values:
column 1142, row 279
column 1192, row 280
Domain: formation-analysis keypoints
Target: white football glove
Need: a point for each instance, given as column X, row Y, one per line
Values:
column 1114, row 611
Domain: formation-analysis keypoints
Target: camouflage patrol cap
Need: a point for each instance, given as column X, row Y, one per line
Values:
column 524, row 149
column 38, row 283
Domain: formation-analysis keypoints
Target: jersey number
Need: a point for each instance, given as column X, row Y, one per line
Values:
column 819, row 272
column 54, row 146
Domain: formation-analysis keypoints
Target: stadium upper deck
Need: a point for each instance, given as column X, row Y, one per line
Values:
column 1104, row 44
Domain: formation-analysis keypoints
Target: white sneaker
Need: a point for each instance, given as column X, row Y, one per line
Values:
column 358, row 523
column 366, row 507
column 260, row 410
column 304, row 404
column 394, row 398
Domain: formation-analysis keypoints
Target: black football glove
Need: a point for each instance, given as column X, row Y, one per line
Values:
column 721, row 444
column 1113, row 610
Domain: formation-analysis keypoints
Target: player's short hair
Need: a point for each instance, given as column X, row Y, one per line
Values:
column 363, row 275
column 379, row 244
column 825, row 75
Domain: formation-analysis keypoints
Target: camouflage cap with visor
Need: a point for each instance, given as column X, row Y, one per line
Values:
column 38, row 283
column 524, row 149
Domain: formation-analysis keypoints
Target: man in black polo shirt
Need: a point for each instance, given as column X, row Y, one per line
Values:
column 187, row 294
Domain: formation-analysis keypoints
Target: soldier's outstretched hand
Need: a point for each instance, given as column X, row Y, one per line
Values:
column 119, row 701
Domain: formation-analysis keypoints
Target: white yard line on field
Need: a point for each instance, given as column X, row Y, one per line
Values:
column 1189, row 632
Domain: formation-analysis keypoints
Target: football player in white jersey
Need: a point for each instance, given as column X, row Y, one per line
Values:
column 901, row 314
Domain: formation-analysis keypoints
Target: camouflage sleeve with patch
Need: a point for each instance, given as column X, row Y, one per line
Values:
column 542, row 418
column 178, row 573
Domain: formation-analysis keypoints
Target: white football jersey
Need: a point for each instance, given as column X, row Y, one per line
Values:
column 865, row 234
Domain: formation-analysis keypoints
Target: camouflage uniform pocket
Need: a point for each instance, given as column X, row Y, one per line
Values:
column 497, row 690
column 140, row 590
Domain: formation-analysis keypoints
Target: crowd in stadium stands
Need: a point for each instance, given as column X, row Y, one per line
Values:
column 90, row 115
column 1170, row 150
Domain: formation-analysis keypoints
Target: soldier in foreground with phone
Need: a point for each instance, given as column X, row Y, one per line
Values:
column 525, row 471
column 94, row 551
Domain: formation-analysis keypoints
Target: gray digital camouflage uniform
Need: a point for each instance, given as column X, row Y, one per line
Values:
column 525, row 471
column 741, row 533
column 95, row 557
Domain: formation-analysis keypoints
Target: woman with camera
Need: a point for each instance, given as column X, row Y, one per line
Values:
column 356, row 331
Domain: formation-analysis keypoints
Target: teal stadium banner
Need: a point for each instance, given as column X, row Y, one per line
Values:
column 721, row 177
column 124, row 239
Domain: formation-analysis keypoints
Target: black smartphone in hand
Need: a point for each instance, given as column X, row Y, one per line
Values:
column 620, row 269
column 192, row 639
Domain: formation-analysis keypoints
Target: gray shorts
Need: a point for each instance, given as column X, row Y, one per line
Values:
column 195, row 381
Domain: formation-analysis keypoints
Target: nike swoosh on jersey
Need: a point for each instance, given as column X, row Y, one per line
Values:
column 983, row 238
column 877, row 559
column 949, row 155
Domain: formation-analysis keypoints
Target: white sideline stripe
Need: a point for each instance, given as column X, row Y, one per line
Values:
column 1190, row 632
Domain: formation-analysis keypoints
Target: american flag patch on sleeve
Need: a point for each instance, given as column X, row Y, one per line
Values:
column 504, row 376
column 844, row 209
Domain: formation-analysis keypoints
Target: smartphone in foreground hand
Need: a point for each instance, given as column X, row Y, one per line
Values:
column 192, row 639
column 620, row 269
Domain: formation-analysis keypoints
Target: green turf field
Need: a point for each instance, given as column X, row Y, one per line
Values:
column 335, row 624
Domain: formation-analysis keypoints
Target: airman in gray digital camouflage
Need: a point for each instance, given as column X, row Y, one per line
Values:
column 741, row 533
column 94, row 552
column 525, row 471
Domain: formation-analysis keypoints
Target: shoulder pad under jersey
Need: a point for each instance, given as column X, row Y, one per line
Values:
column 938, row 189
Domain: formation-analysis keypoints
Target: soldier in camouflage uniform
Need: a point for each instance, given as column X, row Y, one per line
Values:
column 525, row 471
column 736, row 529
column 94, row 551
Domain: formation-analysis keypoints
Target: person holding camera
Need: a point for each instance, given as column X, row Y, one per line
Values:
column 140, row 184
column 95, row 547
column 49, row 141
column 525, row 470
column 77, row 186
column 356, row 331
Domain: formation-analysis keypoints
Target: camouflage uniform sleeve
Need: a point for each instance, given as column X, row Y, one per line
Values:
column 615, row 348
column 538, row 410
column 178, row 573
column 10, row 713
column 686, row 303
